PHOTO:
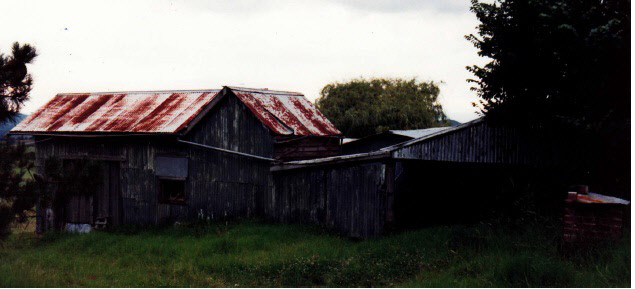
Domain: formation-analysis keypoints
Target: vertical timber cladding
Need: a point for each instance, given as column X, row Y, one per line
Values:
column 106, row 200
column 129, row 164
column 480, row 142
column 348, row 198
column 226, row 185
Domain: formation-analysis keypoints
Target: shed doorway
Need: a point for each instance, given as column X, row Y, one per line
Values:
column 96, row 205
column 442, row 193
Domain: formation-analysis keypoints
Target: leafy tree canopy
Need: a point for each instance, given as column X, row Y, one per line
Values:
column 363, row 107
column 561, row 68
column 554, row 62
column 15, row 82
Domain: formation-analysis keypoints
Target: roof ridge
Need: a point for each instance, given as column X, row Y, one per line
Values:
column 141, row 91
column 264, row 90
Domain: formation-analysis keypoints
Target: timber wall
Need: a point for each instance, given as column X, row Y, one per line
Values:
column 350, row 199
column 479, row 143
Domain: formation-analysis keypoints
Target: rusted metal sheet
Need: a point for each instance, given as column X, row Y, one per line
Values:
column 171, row 167
column 594, row 198
column 286, row 113
column 138, row 112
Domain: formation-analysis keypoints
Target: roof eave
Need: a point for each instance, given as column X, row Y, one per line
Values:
column 370, row 156
column 90, row 134
column 433, row 135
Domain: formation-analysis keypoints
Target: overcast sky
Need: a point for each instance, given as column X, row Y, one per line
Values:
column 88, row 46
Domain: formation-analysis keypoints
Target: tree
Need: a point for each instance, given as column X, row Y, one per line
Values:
column 561, row 69
column 15, row 82
column 554, row 62
column 363, row 107
column 18, row 192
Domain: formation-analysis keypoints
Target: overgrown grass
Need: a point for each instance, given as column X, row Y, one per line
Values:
column 257, row 254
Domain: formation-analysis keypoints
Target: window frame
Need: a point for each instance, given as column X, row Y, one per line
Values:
column 166, row 197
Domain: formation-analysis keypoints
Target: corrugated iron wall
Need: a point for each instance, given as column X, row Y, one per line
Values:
column 235, row 184
column 349, row 199
column 479, row 143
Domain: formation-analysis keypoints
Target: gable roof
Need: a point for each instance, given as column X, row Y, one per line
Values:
column 286, row 113
column 169, row 112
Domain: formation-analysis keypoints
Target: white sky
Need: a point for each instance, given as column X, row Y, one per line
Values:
column 88, row 46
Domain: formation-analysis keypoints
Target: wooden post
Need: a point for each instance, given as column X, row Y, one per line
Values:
column 389, row 181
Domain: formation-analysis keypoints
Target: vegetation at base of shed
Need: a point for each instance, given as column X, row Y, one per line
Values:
column 18, row 192
column 253, row 254
column 363, row 107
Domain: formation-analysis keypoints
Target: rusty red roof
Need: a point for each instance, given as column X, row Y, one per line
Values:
column 138, row 112
column 284, row 113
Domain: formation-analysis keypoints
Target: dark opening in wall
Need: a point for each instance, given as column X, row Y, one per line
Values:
column 172, row 191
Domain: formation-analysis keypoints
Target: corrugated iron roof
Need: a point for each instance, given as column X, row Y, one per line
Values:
column 417, row 133
column 434, row 134
column 138, row 112
column 595, row 198
column 348, row 140
column 285, row 113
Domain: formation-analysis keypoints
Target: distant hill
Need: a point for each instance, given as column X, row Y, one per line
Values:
column 453, row 122
column 5, row 127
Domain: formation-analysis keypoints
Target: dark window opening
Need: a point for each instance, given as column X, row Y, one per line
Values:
column 172, row 191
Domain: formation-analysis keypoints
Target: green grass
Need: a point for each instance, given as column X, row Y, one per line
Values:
column 257, row 254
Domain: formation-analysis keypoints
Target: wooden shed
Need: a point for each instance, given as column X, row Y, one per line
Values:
column 442, row 176
column 174, row 155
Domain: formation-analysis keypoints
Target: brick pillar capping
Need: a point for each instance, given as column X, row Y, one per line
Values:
column 591, row 222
